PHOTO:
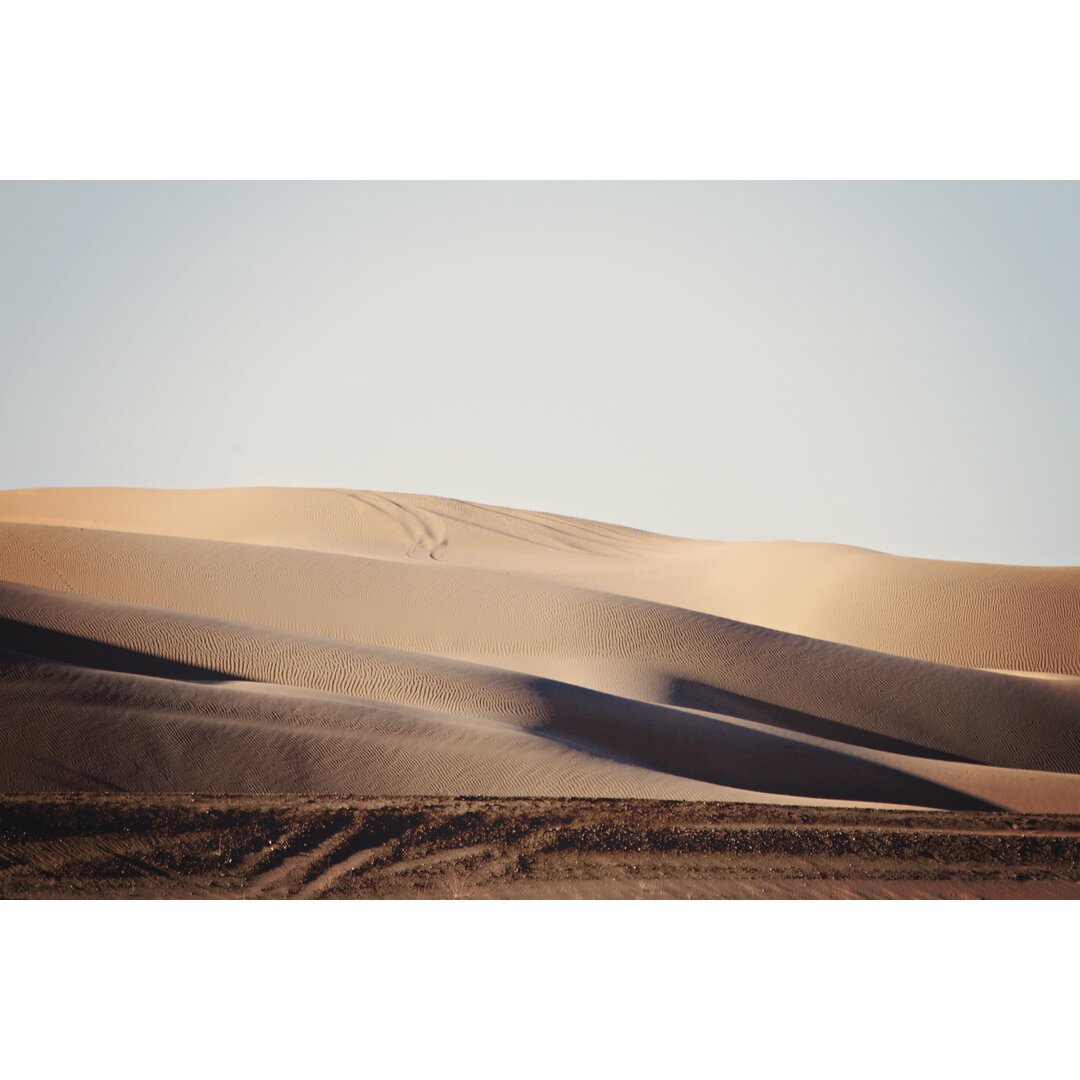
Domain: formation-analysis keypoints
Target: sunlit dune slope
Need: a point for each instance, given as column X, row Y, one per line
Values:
column 969, row 614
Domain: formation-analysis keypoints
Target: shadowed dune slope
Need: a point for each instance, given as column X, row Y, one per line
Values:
column 326, row 641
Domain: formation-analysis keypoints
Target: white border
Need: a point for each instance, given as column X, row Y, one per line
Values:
column 583, row 89
column 543, row 989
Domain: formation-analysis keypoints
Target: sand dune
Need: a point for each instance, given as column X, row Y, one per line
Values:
column 970, row 614
column 286, row 640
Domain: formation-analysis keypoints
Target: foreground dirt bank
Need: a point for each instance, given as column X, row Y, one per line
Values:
column 180, row 846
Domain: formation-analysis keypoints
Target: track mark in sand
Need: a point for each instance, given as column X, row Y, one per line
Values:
column 424, row 532
column 375, row 837
column 281, row 879
column 338, row 866
column 272, row 872
column 441, row 864
column 310, row 870
column 32, row 548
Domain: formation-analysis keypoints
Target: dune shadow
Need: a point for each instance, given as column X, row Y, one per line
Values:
column 721, row 751
column 39, row 643
column 662, row 738
column 694, row 695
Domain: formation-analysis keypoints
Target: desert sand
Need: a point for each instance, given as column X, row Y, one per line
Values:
column 331, row 641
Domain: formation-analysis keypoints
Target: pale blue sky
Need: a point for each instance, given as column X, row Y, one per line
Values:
column 890, row 365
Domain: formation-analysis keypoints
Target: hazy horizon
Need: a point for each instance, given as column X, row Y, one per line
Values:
column 891, row 366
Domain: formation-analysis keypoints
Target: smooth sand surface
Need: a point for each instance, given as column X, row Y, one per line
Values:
column 324, row 641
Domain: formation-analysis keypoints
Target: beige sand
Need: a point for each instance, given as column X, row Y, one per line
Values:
column 287, row 640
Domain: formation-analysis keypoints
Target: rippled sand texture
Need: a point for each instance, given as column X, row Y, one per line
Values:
column 323, row 641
